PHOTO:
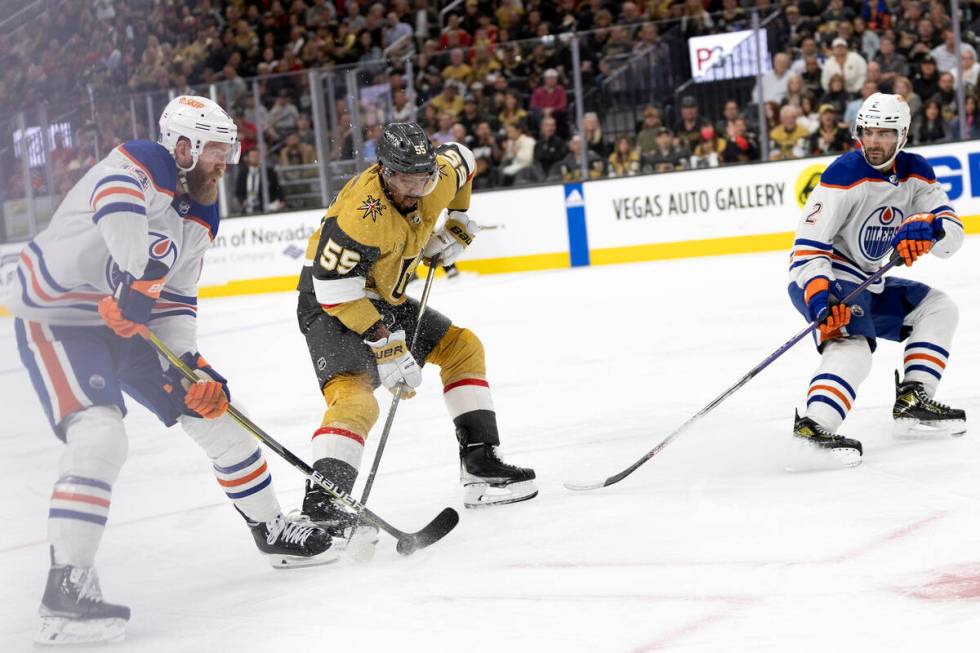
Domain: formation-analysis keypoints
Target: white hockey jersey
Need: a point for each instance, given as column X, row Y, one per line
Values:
column 850, row 218
column 123, row 212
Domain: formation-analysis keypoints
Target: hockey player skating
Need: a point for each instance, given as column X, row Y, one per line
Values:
column 355, row 315
column 868, row 204
column 124, row 251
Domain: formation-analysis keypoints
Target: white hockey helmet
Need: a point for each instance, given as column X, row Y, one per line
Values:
column 884, row 111
column 201, row 121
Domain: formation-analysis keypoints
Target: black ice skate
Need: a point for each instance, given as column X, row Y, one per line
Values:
column 320, row 507
column 846, row 451
column 916, row 415
column 489, row 481
column 292, row 541
column 73, row 612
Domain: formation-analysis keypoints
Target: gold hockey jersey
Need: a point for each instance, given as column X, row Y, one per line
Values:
column 366, row 249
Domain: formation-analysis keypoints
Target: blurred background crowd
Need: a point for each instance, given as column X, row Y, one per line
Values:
column 502, row 76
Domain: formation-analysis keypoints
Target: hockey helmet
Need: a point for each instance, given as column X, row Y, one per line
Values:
column 884, row 111
column 201, row 121
column 408, row 160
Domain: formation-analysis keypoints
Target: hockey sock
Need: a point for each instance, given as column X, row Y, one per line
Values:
column 465, row 390
column 927, row 348
column 95, row 452
column 239, row 465
column 844, row 365
column 351, row 412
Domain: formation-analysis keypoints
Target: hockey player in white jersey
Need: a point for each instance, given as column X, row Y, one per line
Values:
column 869, row 203
column 123, row 253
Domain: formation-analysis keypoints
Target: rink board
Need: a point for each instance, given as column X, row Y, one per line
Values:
column 731, row 210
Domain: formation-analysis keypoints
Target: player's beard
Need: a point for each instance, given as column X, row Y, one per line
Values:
column 199, row 188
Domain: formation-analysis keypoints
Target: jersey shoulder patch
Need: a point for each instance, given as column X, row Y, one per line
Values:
column 910, row 164
column 458, row 158
column 362, row 210
column 155, row 161
column 206, row 216
column 847, row 170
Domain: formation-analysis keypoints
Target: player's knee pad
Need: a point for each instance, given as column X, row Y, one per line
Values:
column 936, row 315
column 350, row 401
column 222, row 439
column 458, row 354
column 96, row 444
column 849, row 358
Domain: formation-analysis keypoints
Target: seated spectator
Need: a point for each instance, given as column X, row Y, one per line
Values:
column 774, row 81
column 402, row 110
column 283, row 116
column 836, row 95
column 972, row 112
column 689, row 126
column 457, row 70
column 571, row 166
column 830, row 137
column 945, row 54
column 518, row 153
column 445, row 133
column 394, row 30
column 549, row 149
column 484, row 63
column 903, row 87
column 808, row 49
column 811, row 75
column 625, row 159
column 549, row 99
column 729, row 115
column 470, row 116
column 248, row 187
column 946, row 96
column 969, row 68
column 247, row 134
column 931, row 127
column 295, row 152
column 867, row 38
column 926, row 81
column 809, row 114
column 449, row 99
column 512, row 113
column 304, row 129
column 666, row 156
column 846, row 63
column 788, row 140
column 707, row 154
column 740, row 144
column 487, row 175
column 893, row 64
column 646, row 136
column 794, row 90
column 851, row 111
column 461, row 134
column 594, row 139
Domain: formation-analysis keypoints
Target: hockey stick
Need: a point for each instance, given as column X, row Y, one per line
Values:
column 430, row 275
column 616, row 478
column 408, row 543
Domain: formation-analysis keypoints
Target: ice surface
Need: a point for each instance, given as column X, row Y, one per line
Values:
column 711, row 546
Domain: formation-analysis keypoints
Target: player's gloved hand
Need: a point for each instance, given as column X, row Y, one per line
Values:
column 825, row 308
column 916, row 235
column 208, row 398
column 396, row 366
column 450, row 240
column 128, row 312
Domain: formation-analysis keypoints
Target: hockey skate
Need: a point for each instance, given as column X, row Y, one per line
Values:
column 489, row 481
column 73, row 612
column 845, row 451
column 917, row 416
column 292, row 540
column 349, row 534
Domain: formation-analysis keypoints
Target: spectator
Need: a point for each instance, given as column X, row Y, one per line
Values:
column 707, row 154
column 457, row 70
column 625, row 159
column 774, row 81
column 518, row 152
column 394, row 30
column 485, row 145
column 453, row 36
column 571, row 166
column 449, row 100
column 812, row 72
column 283, row 115
column 830, row 137
column 549, row 99
column 946, row 96
column 666, row 156
column 248, row 188
column 794, row 90
column 461, row 135
column 969, row 68
column 295, row 152
column 487, row 176
column 646, row 137
column 549, row 150
column 836, row 11
column 402, row 110
column 445, row 133
column 892, row 63
column 740, row 144
column 788, row 140
column 903, row 87
column 972, row 119
column 690, row 124
column 836, row 95
column 808, row 48
column 594, row 139
column 471, row 116
column 304, row 130
column 512, row 113
column 869, row 40
column 247, row 134
column 235, row 86
column 809, row 116
column 945, row 54
column 931, row 127
column 846, row 63
column 926, row 81
column 867, row 90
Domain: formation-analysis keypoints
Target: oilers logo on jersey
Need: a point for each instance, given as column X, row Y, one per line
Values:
column 877, row 231
column 162, row 248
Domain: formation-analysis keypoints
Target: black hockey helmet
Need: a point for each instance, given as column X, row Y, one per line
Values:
column 408, row 159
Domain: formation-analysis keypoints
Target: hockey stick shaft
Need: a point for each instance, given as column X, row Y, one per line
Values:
column 407, row 542
column 812, row 326
column 369, row 483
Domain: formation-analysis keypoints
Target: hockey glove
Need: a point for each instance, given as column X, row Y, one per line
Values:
column 916, row 235
column 208, row 398
column 450, row 240
column 396, row 366
column 128, row 312
column 825, row 309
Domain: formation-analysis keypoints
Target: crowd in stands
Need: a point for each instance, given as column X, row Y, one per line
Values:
column 497, row 75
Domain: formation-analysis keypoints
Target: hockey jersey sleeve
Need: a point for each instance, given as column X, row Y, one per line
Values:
column 931, row 197
column 824, row 213
column 457, row 162
column 118, row 203
column 174, row 316
column 339, row 266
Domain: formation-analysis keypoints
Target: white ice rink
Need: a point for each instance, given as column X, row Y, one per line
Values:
column 711, row 546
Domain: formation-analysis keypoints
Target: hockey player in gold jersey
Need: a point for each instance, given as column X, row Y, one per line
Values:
column 354, row 313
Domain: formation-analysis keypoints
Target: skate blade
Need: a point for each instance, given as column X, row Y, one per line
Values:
column 363, row 544
column 61, row 631
column 481, row 495
column 295, row 562
column 812, row 458
column 913, row 429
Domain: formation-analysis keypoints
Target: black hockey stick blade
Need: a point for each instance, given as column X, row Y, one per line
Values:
column 437, row 529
